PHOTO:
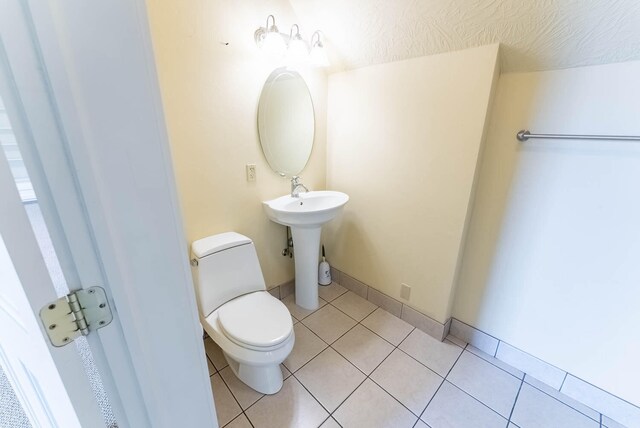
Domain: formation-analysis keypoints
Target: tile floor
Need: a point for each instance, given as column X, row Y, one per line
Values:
column 356, row 365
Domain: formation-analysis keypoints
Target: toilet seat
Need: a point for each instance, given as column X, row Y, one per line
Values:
column 256, row 321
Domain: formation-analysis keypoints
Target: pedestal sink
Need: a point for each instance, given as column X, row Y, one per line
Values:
column 305, row 215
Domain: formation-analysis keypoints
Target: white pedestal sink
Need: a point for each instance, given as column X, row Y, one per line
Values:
column 305, row 215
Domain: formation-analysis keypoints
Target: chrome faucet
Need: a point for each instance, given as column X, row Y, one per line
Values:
column 295, row 187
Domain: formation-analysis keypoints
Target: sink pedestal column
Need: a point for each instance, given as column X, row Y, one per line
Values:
column 306, row 253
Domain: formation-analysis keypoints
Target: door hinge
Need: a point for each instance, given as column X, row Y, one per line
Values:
column 75, row 315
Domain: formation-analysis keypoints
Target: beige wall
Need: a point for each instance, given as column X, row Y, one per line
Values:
column 403, row 143
column 552, row 259
column 210, row 93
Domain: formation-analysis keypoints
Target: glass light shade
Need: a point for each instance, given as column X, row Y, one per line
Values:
column 298, row 51
column 319, row 56
column 274, row 44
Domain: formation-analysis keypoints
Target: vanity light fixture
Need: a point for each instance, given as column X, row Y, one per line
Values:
column 318, row 55
column 297, row 50
column 270, row 39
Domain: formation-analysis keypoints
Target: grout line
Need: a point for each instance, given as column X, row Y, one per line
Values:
column 497, row 347
column 600, row 420
column 562, row 402
column 215, row 369
column 606, row 392
column 515, row 401
column 324, row 349
column 250, row 423
column 350, row 315
column 441, row 383
column 311, row 394
column 420, row 362
column 563, row 381
column 495, row 365
column 231, row 392
column 367, row 376
column 472, row 396
column 430, row 400
column 456, row 361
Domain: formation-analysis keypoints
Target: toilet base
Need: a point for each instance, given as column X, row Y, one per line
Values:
column 264, row 379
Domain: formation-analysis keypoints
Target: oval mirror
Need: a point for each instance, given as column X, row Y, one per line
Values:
column 286, row 122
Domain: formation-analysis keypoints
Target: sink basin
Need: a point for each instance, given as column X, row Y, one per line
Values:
column 306, row 215
column 311, row 209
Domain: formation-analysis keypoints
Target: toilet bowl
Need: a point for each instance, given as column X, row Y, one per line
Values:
column 253, row 328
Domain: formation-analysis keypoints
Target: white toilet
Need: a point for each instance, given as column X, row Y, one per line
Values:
column 253, row 328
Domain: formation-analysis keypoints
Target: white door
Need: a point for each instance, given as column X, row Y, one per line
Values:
column 33, row 368
column 78, row 79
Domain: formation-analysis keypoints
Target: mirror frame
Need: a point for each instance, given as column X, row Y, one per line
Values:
column 272, row 78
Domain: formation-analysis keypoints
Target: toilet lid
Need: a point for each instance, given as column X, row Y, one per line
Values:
column 257, row 319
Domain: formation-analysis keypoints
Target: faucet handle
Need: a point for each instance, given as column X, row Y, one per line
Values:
column 295, row 180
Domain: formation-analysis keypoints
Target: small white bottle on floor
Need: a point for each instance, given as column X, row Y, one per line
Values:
column 324, row 271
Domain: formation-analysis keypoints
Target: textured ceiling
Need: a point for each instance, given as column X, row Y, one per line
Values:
column 535, row 34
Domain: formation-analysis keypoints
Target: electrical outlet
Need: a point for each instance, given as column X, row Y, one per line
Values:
column 251, row 172
column 405, row 291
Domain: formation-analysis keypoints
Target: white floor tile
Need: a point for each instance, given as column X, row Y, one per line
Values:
column 438, row 356
column 215, row 354
column 210, row 367
column 452, row 408
column 459, row 342
column 564, row 398
column 307, row 346
column 245, row 395
column 330, row 423
column 420, row 424
column 239, row 422
column 535, row 409
column 370, row 406
column 407, row 380
column 363, row 348
column 329, row 323
column 299, row 312
column 391, row 328
column 496, row 362
column 484, row 381
column 226, row 406
column 471, row 335
column 292, row 407
column 354, row 306
column 331, row 292
column 330, row 378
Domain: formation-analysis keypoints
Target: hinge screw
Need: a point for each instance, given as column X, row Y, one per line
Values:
column 92, row 291
column 52, row 326
column 66, row 339
column 101, row 323
column 52, row 306
column 102, row 305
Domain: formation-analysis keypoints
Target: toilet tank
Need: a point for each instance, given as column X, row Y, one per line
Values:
column 224, row 267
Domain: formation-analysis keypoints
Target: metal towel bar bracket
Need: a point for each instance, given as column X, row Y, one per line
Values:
column 524, row 135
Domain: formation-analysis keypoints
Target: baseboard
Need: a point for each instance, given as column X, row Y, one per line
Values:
column 554, row 378
column 415, row 318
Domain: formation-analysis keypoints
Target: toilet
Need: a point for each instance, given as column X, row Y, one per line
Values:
column 253, row 328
